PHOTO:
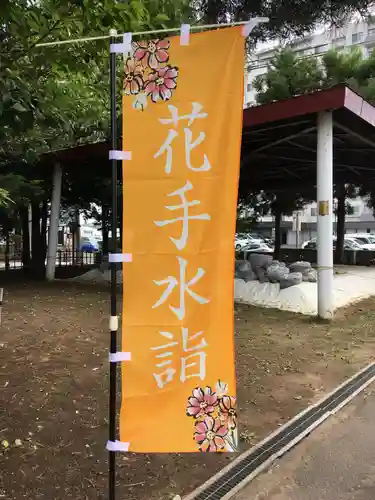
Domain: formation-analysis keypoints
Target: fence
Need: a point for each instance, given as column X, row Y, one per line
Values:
column 64, row 258
column 75, row 258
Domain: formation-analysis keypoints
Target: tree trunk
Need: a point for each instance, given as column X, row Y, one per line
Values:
column 277, row 233
column 76, row 246
column 339, row 251
column 37, row 253
column 213, row 11
column 43, row 231
column 26, row 258
column 35, row 230
column 77, row 226
column 7, row 247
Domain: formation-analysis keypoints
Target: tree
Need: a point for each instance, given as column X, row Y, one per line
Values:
column 57, row 97
column 249, row 209
column 288, row 18
column 341, row 209
column 5, row 200
column 283, row 204
column 289, row 75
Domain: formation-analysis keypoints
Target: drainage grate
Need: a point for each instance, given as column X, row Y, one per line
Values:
column 224, row 484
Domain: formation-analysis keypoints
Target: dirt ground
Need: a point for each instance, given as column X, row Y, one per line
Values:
column 54, row 390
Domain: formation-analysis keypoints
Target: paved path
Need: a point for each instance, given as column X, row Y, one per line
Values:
column 336, row 462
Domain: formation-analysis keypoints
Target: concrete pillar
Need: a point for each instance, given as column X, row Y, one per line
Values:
column 325, row 218
column 54, row 223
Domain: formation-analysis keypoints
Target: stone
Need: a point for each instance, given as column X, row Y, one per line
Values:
column 260, row 260
column 300, row 267
column 259, row 264
column 262, row 275
column 312, row 276
column 291, row 280
column 244, row 271
column 277, row 272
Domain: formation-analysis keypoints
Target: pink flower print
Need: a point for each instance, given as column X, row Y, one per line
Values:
column 133, row 81
column 201, row 403
column 209, row 434
column 228, row 411
column 161, row 82
column 152, row 53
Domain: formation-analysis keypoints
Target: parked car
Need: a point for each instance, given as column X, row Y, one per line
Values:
column 269, row 241
column 89, row 246
column 240, row 241
column 349, row 244
column 243, row 239
column 258, row 247
column 365, row 240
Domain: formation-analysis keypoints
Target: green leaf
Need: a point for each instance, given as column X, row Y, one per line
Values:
column 161, row 18
column 19, row 107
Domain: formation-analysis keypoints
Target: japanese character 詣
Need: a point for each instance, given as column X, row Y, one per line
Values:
column 190, row 144
column 185, row 218
column 192, row 365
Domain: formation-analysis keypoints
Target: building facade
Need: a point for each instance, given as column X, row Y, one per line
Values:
column 357, row 33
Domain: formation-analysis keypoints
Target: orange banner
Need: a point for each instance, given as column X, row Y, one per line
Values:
column 182, row 123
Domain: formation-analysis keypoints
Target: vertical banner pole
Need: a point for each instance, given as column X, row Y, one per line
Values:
column 113, row 319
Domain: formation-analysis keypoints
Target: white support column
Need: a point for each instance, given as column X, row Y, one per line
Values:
column 325, row 219
column 54, row 223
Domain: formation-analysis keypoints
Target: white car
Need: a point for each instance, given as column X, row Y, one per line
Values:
column 243, row 239
column 240, row 241
column 365, row 240
column 308, row 243
column 258, row 247
column 349, row 244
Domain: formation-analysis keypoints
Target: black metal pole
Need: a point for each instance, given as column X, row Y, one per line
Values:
column 113, row 332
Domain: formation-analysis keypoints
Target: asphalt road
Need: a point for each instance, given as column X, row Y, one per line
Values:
column 336, row 462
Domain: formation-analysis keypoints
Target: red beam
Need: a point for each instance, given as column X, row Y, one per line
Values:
column 293, row 107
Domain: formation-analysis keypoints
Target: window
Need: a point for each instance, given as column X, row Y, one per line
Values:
column 313, row 211
column 356, row 210
column 60, row 237
column 357, row 37
column 248, row 87
column 339, row 42
column 371, row 32
column 361, row 240
column 308, row 52
column 321, row 48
